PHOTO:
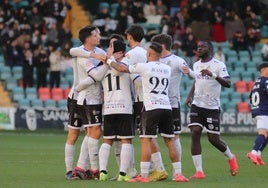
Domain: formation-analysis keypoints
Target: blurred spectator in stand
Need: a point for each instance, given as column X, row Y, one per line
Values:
column 146, row 41
column 64, row 34
column 252, row 37
column 150, row 13
column 254, row 24
column 104, row 21
column 123, row 16
column 25, row 35
column 149, row 9
column 8, row 11
column 264, row 51
column 41, row 63
column 178, row 28
column 14, row 53
column 189, row 47
column 28, row 69
column 137, row 12
column 22, row 17
column 14, row 29
column 218, row 34
column 36, row 19
column 174, row 7
column 36, row 39
column 41, row 6
column 52, row 35
column 166, row 24
column 219, row 55
column 122, row 22
column 55, row 67
column 233, row 23
column 161, row 8
column 176, row 48
column 239, row 43
column 65, row 49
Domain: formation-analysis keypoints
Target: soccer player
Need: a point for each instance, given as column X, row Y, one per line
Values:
column 90, row 102
column 75, row 121
column 157, row 114
column 136, row 54
column 118, row 120
column 211, row 75
column 259, row 110
column 178, row 68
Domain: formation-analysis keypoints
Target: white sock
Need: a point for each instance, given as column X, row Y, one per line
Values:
column 104, row 156
column 197, row 159
column 93, row 150
column 178, row 147
column 228, row 153
column 83, row 155
column 176, row 168
column 117, row 151
column 126, row 155
column 69, row 156
column 156, row 158
column 144, row 168
column 131, row 171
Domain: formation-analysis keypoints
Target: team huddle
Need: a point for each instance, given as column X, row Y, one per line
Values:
column 115, row 92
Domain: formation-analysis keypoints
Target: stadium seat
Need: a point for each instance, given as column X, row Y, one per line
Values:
column 247, row 76
column 17, row 72
column 24, row 103
column 50, row 103
column 31, row 93
column 250, row 85
column 64, row 83
column 5, row 75
column 243, row 107
column 17, row 93
column 230, row 107
column 66, row 92
column 57, row 94
column 241, row 86
column 44, row 93
column 62, row 104
column 37, row 103
column 11, row 83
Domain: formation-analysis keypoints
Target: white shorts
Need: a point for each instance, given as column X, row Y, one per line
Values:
column 262, row 122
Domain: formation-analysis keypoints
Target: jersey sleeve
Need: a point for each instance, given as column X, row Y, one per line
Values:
column 223, row 71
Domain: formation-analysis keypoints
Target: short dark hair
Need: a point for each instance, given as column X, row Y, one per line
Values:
column 136, row 31
column 86, row 32
column 117, row 37
column 155, row 46
column 263, row 65
column 163, row 39
column 119, row 46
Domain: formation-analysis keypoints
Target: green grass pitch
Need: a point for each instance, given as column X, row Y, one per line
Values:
column 36, row 160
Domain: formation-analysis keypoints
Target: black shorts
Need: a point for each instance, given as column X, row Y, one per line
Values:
column 137, row 107
column 159, row 119
column 118, row 126
column 176, row 115
column 91, row 115
column 208, row 118
column 75, row 120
